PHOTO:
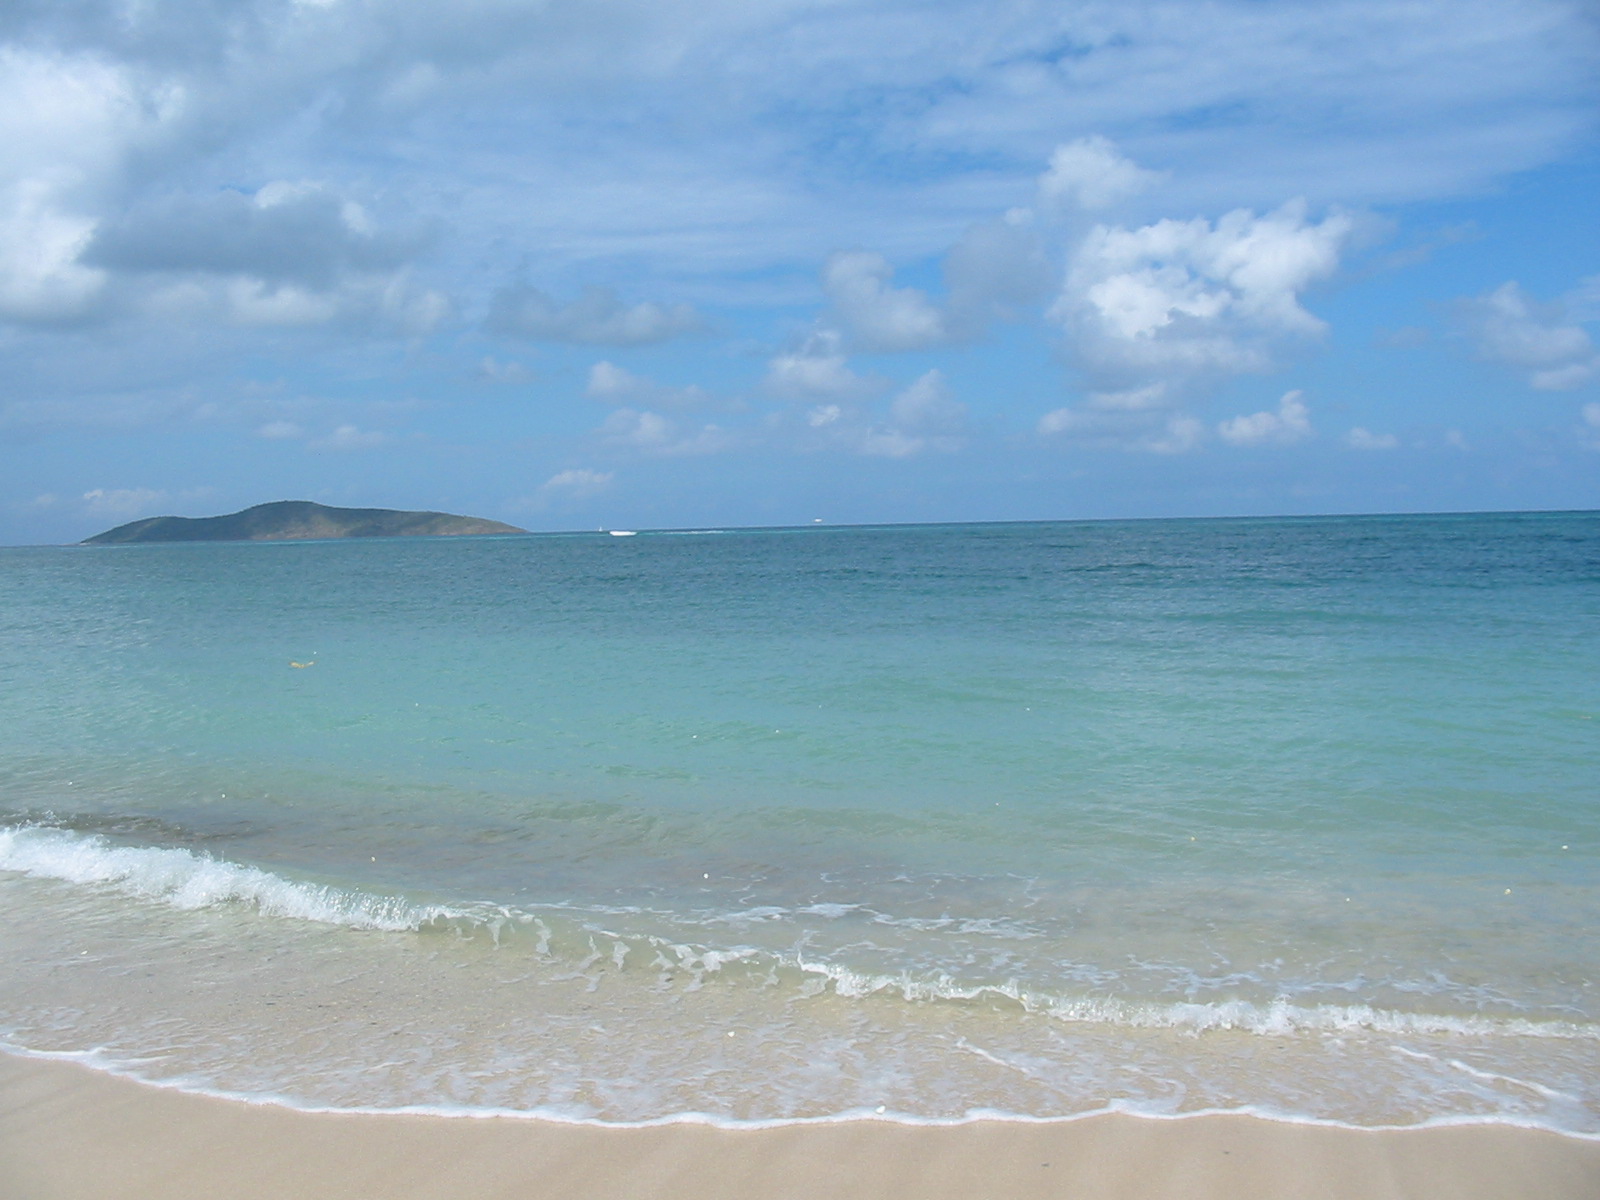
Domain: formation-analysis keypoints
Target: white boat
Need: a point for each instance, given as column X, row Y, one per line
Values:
column 623, row 532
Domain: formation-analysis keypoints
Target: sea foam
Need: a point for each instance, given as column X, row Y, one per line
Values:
column 186, row 880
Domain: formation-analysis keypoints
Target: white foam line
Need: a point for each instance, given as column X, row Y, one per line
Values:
column 1276, row 1018
column 186, row 880
column 96, row 1060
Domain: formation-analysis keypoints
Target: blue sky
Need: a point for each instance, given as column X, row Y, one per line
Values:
column 630, row 264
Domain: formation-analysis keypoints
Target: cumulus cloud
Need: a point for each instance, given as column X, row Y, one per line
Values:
column 514, row 130
column 288, row 254
column 277, row 431
column 40, row 277
column 577, row 483
column 126, row 504
column 1136, row 419
column 597, row 317
column 1590, row 430
column 996, row 269
column 1290, row 423
column 68, row 124
column 923, row 417
column 875, row 314
column 283, row 233
column 1582, row 303
column 993, row 271
column 1149, row 430
column 1091, row 173
column 611, row 384
column 662, row 437
column 1545, row 341
column 492, row 370
column 817, row 370
column 519, row 95
column 1361, row 438
column 1178, row 302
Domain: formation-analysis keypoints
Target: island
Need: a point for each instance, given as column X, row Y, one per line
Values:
column 296, row 520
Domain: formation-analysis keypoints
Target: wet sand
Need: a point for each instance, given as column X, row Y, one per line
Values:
column 71, row 1133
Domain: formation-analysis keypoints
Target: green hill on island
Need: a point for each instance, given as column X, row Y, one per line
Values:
column 295, row 520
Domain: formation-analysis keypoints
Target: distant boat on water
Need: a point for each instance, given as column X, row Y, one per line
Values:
column 623, row 532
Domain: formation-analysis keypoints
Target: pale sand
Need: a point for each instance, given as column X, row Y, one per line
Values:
column 70, row 1133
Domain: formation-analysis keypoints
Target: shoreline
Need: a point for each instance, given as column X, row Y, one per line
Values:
column 70, row 1130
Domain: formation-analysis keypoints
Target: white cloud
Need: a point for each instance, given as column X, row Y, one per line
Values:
column 1141, row 419
column 1360, row 438
column 40, row 278
column 127, row 504
column 403, row 306
column 1542, row 339
column 653, row 434
column 290, row 254
column 532, row 142
column 68, row 123
column 707, row 151
column 1583, row 302
column 1179, row 435
column 256, row 302
column 1060, row 420
column 388, row 302
column 349, row 437
column 611, row 384
column 1141, row 399
column 130, row 504
column 923, row 417
column 286, row 231
column 641, row 430
column 996, row 268
column 1147, row 430
column 1291, row 423
column 1091, row 173
column 817, row 370
column 597, row 317
column 1590, row 430
column 927, row 406
column 492, row 370
column 1178, row 302
column 578, row 483
column 874, row 314
column 280, row 431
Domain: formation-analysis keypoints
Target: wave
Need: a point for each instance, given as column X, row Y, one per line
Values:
column 188, row 880
column 1274, row 1018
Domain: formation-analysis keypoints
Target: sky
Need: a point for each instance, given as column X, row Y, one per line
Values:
column 575, row 264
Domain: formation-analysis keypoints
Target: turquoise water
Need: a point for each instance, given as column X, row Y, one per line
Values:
column 1294, row 816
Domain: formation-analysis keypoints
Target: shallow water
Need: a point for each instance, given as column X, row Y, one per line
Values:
column 1295, row 816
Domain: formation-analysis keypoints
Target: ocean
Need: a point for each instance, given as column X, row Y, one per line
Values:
column 1297, row 817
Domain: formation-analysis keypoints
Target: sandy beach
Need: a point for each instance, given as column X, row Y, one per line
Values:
column 71, row 1133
